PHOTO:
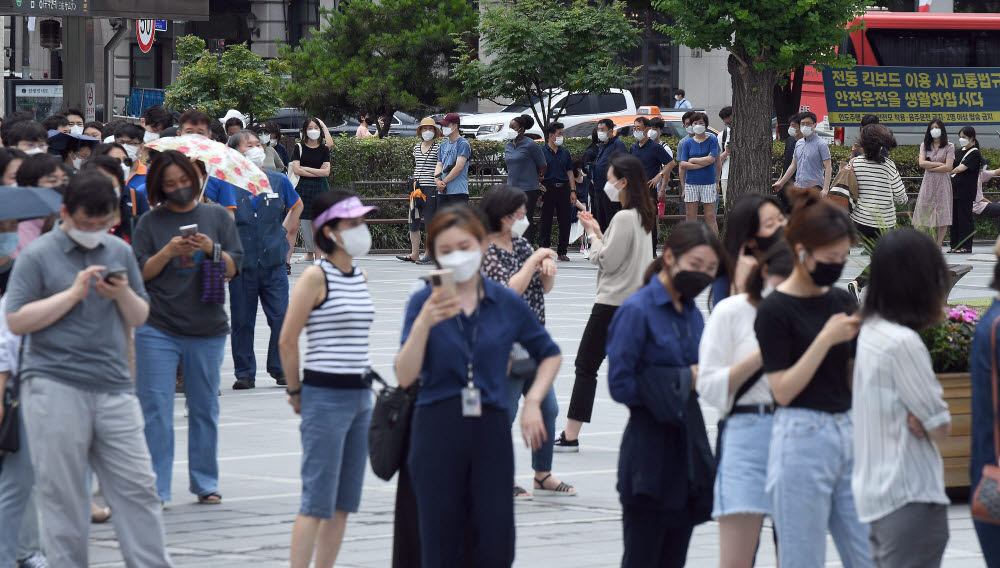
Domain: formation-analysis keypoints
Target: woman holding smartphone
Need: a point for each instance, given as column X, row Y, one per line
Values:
column 461, row 458
column 181, row 326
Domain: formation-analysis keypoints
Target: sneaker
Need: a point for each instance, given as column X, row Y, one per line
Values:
column 566, row 446
column 280, row 379
column 34, row 561
column 425, row 260
column 243, row 383
column 404, row 257
column 854, row 290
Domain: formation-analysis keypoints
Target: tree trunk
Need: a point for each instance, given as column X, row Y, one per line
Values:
column 787, row 100
column 383, row 129
column 750, row 150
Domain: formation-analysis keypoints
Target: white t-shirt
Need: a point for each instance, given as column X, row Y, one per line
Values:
column 728, row 338
column 727, row 138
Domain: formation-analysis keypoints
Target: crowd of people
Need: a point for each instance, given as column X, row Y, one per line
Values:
column 832, row 415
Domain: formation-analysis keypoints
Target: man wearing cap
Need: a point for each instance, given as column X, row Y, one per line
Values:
column 425, row 158
column 452, row 170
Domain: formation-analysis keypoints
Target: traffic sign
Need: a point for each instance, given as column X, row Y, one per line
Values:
column 161, row 25
column 89, row 102
column 145, row 31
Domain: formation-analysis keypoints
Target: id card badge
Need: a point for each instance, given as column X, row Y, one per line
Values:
column 472, row 402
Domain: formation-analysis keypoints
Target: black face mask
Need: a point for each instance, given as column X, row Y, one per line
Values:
column 690, row 283
column 765, row 243
column 826, row 273
column 181, row 195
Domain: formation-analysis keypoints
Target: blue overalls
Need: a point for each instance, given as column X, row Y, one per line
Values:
column 265, row 245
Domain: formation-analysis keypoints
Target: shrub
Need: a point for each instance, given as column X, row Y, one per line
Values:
column 950, row 341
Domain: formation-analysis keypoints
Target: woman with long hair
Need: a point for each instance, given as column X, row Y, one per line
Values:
column 754, row 224
column 620, row 255
column 964, row 180
column 311, row 162
column 934, row 202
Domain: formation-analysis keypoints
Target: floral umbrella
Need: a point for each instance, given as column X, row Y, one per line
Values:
column 220, row 161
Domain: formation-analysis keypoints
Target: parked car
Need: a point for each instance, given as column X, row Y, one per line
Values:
column 403, row 126
column 581, row 108
column 672, row 125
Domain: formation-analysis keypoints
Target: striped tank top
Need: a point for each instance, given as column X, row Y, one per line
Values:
column 338, row 329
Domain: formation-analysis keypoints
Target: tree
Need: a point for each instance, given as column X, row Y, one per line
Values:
column 765, row 39
column 535, row 48
column 379, row 56
column 238, row 79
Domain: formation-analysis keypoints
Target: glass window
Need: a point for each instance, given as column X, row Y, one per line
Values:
column 582, row 130
column 935, row 48
column 580, row 104
column 611, row 103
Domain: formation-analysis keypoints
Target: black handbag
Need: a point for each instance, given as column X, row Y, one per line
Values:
column 389, row 433
column 10, row 428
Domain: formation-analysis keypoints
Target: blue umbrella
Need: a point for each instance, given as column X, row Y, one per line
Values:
column 24, row 203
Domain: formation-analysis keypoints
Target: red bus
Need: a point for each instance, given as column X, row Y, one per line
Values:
column 913, row 39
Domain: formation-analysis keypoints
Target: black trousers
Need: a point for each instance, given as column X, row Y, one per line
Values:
column 870, row 236
column 530, row 205
column 589, row 357
column 992, row 210
column 446, row 199
column 604, row 209
column 653, row 539
column 963, row 225
column 555, row 200
column 431, row 206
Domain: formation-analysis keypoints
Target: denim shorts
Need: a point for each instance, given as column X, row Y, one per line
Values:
column 334, row 449
column 742, row 475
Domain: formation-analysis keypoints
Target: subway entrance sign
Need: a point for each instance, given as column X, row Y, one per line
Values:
column 188, row 10
column 902, row 96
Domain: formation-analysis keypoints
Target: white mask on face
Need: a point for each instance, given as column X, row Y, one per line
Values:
column 132, row 151
column 792, row 131
column 312, row 134
column 33, row 151
column 86, row 239
column 935, row 132
column 77, row 162
column 265, row 139
column 612, row 192
column 447, row 130
column 512, row 134
column 807, row 131
column 150, row 137
column 520, row 226
column 639, row 135
column 559, row 140
column 689, row 130
column 963, row 142
column 357, row 241
column 76, row 130
column 256, row 156
column 698, row 129
column 653, row 134
column 602, row 136
column 464, row 263
column 427, row 135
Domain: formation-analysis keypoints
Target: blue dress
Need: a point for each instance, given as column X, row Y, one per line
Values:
column 981, row 361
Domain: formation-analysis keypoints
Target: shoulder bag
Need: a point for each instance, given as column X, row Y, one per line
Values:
column 721, row 424
column 389, row 433
column 844, row 188
column 964, row 156
column 10, row 427
column 986, row 499
column 213, row 277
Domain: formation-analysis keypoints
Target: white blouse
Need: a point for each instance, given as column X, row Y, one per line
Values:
column 727, row 339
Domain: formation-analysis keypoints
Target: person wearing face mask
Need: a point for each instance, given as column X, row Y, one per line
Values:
column 620, row 254
column 794, row 135
column 38, row 170
column 934, row 202
column 311, row 162
column 182, row 327
column 154, row 121
column 655, row 134
column 731, row 379
column 655, row 160
column 511, row 261
column 681, row 102
column 753, row 226
column 811, row 163
column 75, row 119
column 109, row 167
column 560, row 191
column 130, row 136
column 452, row 170
column 964, row 179
column 425, row 155
column 272, row 161
column 697, row 156
column 525, row 167
column 332, row 302
column 806, row 338
column 722, row 164
column 665, row 469
column 27, row 136
column 134, row 202
column 464, row 388
column 77, row 398
column 609, row 145
column 267, row 225
column 57, row 122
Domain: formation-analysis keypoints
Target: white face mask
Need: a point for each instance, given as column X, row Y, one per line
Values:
column 265, row 139
column 76, row 130
column 312, row 134
column 150, row 137
column 935, row 132
column 559, row 140
column 963, row 142
column 512, row 134
column 256, row 156
column 807, row 131
column 447, row 130
column 689, row 130
column 653, row 134
column 602, row 136
column 427, row 135
column 612, row 192
column 357, row 241
column 639, row 135
column 698, row 129
column 33, row 151
column 77, row 163
column 131, row 150
column 464, row 263
column 792, row 131
column 520, row 226
column 86, row 239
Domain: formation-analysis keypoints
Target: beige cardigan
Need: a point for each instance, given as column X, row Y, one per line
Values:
column 622, row 257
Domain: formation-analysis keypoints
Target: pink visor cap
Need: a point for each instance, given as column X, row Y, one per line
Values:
column 350, row 208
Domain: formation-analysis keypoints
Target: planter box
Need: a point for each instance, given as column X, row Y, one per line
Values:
column 956, row 449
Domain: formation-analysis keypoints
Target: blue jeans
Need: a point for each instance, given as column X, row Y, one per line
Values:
column 809, row 482
column 19, row 532
column 156, row 357
column 271, row 286
column 541, row 459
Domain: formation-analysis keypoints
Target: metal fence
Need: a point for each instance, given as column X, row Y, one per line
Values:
column 141, row 99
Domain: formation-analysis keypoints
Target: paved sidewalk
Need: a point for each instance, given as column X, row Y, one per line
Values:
column 259, row 454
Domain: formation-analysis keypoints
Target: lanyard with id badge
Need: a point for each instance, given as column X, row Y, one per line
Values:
column 472, row 399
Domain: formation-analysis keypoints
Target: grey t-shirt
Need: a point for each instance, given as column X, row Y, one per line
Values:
column 175, row 304
column 85, row 347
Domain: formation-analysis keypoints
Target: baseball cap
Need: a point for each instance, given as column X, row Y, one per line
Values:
column 450, row 118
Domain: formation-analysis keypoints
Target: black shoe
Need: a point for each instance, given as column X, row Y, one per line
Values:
column 425, row 260
column 243, row 383
column 563, row 258
column 566, row 446
column 288, row 268
column 404, row 257
column 280, row 379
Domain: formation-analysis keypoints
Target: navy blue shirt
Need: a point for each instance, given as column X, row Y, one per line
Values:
column 981, row 362
column 648, row 330
column 504, row 318
column 557, row 164
column 653, row 157
column 523, row 161
column 604, row 153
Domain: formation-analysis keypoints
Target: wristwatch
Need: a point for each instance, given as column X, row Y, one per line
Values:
column 291, row 392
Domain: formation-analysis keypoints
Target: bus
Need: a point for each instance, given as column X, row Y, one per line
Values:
column 914, row 39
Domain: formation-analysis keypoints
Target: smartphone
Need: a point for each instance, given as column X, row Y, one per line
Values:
column 443, row 278
column 189, row 230
column 114, row 273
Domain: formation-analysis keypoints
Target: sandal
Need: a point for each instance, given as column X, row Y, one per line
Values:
column 521, row 494
column 960, row 251
column 561, row 490
column 210, row 499
column 99, row 514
